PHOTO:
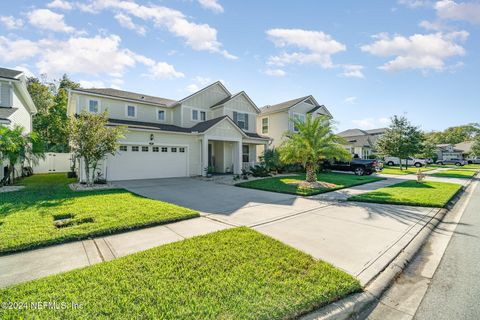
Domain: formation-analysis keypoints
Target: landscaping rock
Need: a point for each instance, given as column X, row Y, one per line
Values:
column 10, row 188
column 83, row 187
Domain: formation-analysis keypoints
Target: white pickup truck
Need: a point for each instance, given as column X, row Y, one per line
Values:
column 394, row 161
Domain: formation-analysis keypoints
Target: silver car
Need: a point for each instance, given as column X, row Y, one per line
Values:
column 455, row 161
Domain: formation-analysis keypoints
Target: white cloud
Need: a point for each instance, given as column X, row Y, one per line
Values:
column 99, row 55
column 433, row 25
column 49, row 20
column 191, row 88
column 60, row 4
column 200, row 37
column 384, row 121
column 92, row 84
column 203, row 81
column 466, row 11
column 352, row 71
column 315, row 47
column 275, row 72
column 416, row 3
column 419, row 51
column 350, row 100
column 212, row 5
column 126, row 22
column 10, row 22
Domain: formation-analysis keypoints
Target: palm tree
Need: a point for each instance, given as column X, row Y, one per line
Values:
column 313, row 142
column 16, row 148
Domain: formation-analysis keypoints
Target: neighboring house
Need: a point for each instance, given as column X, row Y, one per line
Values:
column 361, row 143
column 16, row 105
column 454, row 151
column 274, row 120
column 208, row 130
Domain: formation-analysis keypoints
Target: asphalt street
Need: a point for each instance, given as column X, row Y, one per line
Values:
column 454, row 292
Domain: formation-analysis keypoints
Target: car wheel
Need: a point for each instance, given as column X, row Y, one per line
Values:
column 359, row 171
column 458, row 164
column 440, row 163
column 390, row 163
column 418, row 164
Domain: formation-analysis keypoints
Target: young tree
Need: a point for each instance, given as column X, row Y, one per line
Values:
column 91, row 140
column 400, row 140
column 17, row 148
column 314, row 142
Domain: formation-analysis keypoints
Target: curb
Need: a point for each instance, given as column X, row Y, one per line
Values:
column 354, row 305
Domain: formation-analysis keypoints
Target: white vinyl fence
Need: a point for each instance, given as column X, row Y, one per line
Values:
column 54, row 162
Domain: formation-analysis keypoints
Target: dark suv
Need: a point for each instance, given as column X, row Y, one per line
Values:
column 358, row 166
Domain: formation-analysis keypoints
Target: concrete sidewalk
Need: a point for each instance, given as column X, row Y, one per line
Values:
column 34, row 264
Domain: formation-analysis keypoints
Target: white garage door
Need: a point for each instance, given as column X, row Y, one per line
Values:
column 147, row 162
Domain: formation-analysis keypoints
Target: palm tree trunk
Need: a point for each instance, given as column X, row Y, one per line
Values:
column 311, row 174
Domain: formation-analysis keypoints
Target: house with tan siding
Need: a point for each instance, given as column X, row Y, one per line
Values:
column 209, row 130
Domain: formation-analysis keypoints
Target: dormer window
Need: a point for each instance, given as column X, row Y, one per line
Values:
column 93, row 106
column 161, row 115
column 131, row 111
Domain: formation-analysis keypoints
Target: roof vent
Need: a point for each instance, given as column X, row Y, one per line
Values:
column 142, row 97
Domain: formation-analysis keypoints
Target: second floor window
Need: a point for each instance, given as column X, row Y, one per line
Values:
column 199, row 115
column 265, row 125
column 241, row 119
column 161, row 115
column 203, row 115
column 131, row 111
column 93, row 106
column 300, row 117
column 195, row 115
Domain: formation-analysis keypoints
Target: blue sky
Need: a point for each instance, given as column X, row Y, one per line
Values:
column 365, row 60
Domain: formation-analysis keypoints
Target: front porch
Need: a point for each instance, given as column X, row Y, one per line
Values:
column 230, row 157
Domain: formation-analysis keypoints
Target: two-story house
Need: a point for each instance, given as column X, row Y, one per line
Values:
column 275, row 120
column 454, row 151
column 210, row 130
column 361, row 143
column 16, row 105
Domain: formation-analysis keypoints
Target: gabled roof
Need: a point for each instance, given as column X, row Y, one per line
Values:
column 282, row 106
column 352, row 133
column 133, row 96
column 465, row 147
column 198, row 128
column 219, row 83
column 376, row 131
column 9, row 73
column 230, row 98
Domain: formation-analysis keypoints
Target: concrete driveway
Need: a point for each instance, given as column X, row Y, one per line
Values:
column 359, row 238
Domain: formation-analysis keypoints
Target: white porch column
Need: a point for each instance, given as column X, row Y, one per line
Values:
column 204, row 156
column 237, row 157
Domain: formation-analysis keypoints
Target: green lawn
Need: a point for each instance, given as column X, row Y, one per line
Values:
column 426, row 194
column 455, row 174
column 231, row 274
column 334, row 181
column 467, row 166
column 27, row 216
column 411, row 170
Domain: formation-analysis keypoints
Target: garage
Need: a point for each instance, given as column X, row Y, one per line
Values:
column 147, row 162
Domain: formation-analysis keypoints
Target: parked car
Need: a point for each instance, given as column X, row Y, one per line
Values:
column 475, row 160
column 455, row 161
column 394, row 161
column 358, row 166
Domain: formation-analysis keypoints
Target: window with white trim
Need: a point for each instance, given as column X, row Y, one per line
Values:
column 173, row 149
column 265, row 125
column 155, row 149
column 135, row 148
column 164, row 149
column 242, row 120
column 131, row 111
column 123, row 148
column 145, row 148
column 181, row 150
column 203, row 115
column 300, row 117
column 195, row 115
column 161, row 115
column 93, row 106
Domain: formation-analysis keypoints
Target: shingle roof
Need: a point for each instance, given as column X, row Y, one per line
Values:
column 226, row 100
column 282, row 106
column 9, row 73
column 198, row 128
column 128, row 95
column 376, row 131
column 361, row 138
column 465, row 147
column 6, row 112
column 352, row 133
